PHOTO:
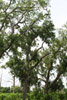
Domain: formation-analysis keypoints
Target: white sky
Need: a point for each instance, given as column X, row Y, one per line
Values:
column 59, row 17
column 59, row 12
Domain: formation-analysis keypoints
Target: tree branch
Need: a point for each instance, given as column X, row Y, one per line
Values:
column 36, row 52
column 55, row 80
column 8, row 6
column 7, row 48
column 39, row 60
column 42, row 80
column 29, row 27
column 12, row 41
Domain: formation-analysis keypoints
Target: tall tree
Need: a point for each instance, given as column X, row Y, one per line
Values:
column 22, row 23
column 25, row 53
column 54, row 66
column 17, row 17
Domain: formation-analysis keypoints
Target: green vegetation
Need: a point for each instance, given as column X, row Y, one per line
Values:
column 15, row 89
column 35, row 95
column 7, row 96
column 36, row 54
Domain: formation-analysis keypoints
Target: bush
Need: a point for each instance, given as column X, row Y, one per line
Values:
column 2, row 96
column 16, row 89
column 36, row 94
column 48, row 97
column 10, row 96
column 61, row 96
column 13, row 97
column 4, row 89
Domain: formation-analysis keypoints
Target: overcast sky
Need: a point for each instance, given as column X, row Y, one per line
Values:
column 59, row 17
column 59, row 12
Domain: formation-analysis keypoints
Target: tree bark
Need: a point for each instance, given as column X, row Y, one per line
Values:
column 46, row 89
column 0, row 84
column 13, row 84
column 24, row 92
column 13, row 81
column 47, row 82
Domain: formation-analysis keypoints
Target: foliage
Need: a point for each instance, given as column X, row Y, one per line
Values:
column 6, row 96
column 3, row 96
column 19, row 28
column 12, row 97
column 16, row 89
column 17, row 15
column 4, row 89
column 54, row 65
column 22, row 25
column 36, row 94
column 57, row 86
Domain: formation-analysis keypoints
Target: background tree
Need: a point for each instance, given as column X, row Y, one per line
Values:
column 53, row 67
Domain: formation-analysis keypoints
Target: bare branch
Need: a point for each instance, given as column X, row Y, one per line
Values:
column 42, row 80
column 19, row 21
column 8, row 6
column 42, row 74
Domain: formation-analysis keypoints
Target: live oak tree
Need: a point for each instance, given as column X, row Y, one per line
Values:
column 54, row 66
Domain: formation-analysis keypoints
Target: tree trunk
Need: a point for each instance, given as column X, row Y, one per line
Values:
column 47, row 82
column 25, row 83
column 24, row 92
column 13, row 84
column 46, row 88
column 0, row 84
column 13, row 81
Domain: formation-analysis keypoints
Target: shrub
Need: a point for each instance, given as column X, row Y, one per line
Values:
column 61, row 96
column 13, row 97
column 16, row 89
column 48, row 97
column 2, row 96
column 4, row 89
